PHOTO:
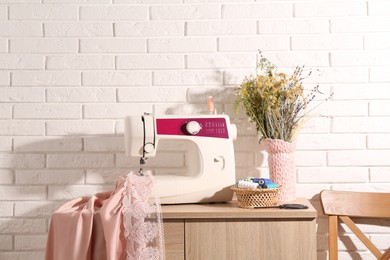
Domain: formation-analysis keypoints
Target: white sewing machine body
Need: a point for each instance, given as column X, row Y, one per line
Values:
column 208, row 140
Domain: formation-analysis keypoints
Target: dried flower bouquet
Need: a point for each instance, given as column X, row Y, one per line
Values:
column 276, row 102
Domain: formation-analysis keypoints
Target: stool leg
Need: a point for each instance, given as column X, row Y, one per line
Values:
column 332, row 237
column 386, row 255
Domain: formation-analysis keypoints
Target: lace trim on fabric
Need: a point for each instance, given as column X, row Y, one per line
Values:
column 142, row 218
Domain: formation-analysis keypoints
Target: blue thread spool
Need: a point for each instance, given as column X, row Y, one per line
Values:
column 257, row 180
column 271, row 186
column 263, row 182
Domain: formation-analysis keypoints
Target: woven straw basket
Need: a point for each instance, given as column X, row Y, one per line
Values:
column 252, row 198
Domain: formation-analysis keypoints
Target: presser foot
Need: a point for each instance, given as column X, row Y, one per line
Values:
column 142, row 162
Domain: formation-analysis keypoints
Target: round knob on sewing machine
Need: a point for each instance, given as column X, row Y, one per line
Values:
column 148, row 147
column 193, row 127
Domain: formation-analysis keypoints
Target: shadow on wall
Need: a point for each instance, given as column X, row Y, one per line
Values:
column 48, row 171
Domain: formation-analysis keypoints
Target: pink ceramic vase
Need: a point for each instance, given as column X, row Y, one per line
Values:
column 281, row 164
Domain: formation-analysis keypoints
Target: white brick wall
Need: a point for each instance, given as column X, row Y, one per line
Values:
column 70, row 70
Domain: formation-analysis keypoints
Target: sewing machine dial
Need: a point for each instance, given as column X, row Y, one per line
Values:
column 193, row 127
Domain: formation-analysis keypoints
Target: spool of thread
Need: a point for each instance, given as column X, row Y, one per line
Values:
column 263, row 182
column 254, row 179
column 210, row 105
column 246, row 184
column 271, row 186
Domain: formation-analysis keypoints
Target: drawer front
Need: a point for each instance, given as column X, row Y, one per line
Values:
column 228, row 239
column 174, row 239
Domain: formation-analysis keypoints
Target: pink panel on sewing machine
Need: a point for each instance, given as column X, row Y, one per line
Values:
column 210, row 127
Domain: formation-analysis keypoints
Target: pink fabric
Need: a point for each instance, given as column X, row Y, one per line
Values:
column 281, row 165
column 142, row 219
column 92, row 228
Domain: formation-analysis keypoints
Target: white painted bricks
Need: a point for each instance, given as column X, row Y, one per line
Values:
column 71, row 70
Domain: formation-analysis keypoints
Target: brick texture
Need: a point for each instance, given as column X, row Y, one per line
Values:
column 71, row 70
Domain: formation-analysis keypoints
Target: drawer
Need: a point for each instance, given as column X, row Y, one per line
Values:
column 174, row 239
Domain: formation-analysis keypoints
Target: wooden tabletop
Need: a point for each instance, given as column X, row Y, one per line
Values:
column 231, row 210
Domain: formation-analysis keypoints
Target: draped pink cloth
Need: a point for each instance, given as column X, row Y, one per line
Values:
column 125, row 224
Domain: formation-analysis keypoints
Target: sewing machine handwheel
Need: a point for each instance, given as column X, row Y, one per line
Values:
column 193, row 127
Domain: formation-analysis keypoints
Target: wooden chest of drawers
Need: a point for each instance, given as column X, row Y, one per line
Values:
column 225, row 231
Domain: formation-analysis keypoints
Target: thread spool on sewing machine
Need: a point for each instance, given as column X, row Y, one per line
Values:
column 208, row 140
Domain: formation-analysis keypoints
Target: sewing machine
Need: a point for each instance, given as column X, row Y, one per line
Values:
column 208, row 140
